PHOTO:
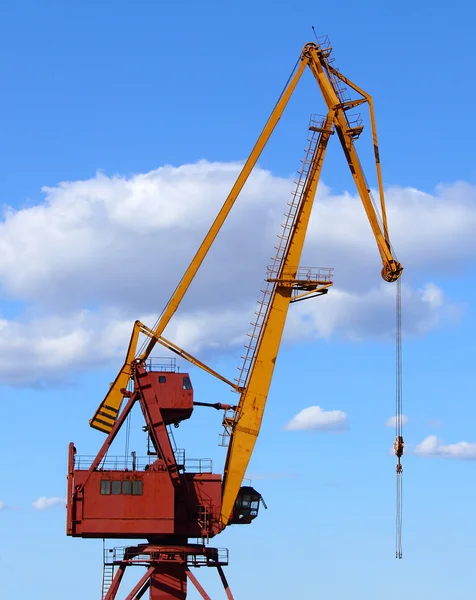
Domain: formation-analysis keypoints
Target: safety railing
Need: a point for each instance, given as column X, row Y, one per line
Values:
column 324, row 44
column 113, row 463
column 355, row 120
column 198, row 465
column 162, row 363
column 142, row 463
column 309, row 274
column 340, row 88
column 208, row 557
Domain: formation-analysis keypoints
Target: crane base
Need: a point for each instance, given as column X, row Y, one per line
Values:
column 168, row 569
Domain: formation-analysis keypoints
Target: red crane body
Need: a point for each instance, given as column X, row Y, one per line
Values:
column 163, row 499
column 155, row 499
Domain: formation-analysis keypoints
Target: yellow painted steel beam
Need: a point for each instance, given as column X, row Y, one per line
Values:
column 392, row 269
column 106, row 413
column 253, row 399
column 227, row 206
column 114, row 397
column 368, row 98
column 198, row 363
column 322, row 289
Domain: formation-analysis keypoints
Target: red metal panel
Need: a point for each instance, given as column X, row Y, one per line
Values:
column 98, row 515
column 176, row 403
column 198, row 506
column 169, row 582
column 192, row 510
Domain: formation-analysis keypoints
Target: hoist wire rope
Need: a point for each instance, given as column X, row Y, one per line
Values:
column 398, row 418
column 398, row 366
column 398, row 523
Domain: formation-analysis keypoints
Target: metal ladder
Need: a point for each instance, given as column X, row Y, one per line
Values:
column 107, row 575
column 204, row 522
column 281, row 249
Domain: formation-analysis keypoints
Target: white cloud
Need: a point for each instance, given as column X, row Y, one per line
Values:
column 97, row 254
column 316, row 418
column 392, row 421
column 371, row 313
column 2, row 505
column 125, row 241
column 44, row 502
column 432, row 446
column 91, row 339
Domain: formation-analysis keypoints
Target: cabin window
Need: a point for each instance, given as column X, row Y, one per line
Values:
column 137, row 487
column 162, row 379
column 186, row 384
column 245, row 502
column 126, row 487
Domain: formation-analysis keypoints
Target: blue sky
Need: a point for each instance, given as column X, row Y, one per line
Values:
column 102, row 95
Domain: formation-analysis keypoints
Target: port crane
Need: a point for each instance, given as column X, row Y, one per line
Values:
column 163, row 499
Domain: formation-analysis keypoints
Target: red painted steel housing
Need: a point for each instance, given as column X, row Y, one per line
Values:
column 159, row 501
column 160, row 510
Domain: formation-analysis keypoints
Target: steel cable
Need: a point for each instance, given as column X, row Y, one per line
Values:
column 399, row 419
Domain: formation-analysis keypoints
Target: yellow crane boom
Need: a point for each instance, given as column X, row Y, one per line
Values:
column 285, row 279
column 252, row 402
